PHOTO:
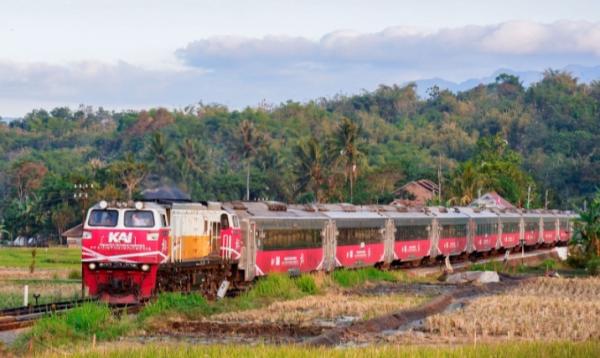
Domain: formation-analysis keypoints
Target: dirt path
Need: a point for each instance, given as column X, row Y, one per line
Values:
column 405, row 317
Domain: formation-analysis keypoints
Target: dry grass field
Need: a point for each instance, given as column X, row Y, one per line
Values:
column 330, row 306
column 542, row 309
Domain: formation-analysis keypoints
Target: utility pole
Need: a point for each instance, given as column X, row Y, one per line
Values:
column 528, row 196
column 546, row 200
column 439, row 173
column 82, row 195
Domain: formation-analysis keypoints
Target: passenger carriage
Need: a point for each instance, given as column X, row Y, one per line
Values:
column 549, row 228
column 510, row 229
column 360, row 234
column 483, row 229
column 565, row 227
column 452, row 228
column 412, row 234
column 531, row 228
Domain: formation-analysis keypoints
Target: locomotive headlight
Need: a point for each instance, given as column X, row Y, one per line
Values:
column 139, row 205
column 92, row 266
column 86, row 235
column 152, row 236
column 145, row 267
column 103, row 204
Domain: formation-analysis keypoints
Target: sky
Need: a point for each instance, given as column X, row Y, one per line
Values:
column 138, row 54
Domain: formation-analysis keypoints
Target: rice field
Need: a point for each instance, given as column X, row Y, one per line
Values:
column 330, row 306
column 544, row 309
column 179, row 350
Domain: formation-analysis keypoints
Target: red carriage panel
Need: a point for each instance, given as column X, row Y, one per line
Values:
column 359, row 247
column 303, row 260
column 453, row 239
column 412, row 250
column 411, row 242
column 359, row 255
column 484, row 243
column 282, row 250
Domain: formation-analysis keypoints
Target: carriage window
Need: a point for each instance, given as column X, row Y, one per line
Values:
column 549, row 225
column 454, row 231
column 139, row 218
column 487, row 229
column 289, row 239
column 508, row 228
column 531, row 226
column 103, row 218
column 357, row 236
column 224, row 222
column 408, row 233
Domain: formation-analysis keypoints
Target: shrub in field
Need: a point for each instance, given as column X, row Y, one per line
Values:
column 549, row 264
column 74, row 275
column 176, row 302
column 275, row 286
column 306, row 284
column 593, row 266
column 352, row 278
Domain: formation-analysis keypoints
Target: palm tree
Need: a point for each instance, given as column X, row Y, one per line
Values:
column 466, row 184
column 158, row 149
column 587, row 228
column 311, row 163
column 347, row 142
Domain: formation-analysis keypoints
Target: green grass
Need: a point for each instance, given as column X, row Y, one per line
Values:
column 521, row 349
column 352, row 278
column 175, row 302
column 75, row 326
column 45, row 258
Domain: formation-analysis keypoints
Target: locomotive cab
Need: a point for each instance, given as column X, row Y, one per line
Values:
column 122, row 246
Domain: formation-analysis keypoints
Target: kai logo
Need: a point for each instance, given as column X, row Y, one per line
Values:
column 120, row 237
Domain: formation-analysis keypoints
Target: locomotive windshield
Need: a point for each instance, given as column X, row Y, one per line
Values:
column 139, row 218
column 103, row 218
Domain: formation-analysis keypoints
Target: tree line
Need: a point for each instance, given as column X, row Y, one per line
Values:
column 533, row 145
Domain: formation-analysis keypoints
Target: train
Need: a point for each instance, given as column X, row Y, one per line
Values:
column 134, row 250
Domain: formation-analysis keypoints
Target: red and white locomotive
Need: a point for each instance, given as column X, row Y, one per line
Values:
column 131, row 251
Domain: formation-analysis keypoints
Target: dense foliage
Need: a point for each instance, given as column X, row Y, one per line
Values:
column 500, row 136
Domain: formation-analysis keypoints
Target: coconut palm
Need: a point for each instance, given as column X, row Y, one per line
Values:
column 311, row 163
column 249, row 141
column 347, row 142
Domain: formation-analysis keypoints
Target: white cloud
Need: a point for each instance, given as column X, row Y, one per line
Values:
column 239, row 71
column 400, row 44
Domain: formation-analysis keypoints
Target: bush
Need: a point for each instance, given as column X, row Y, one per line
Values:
column 593, row 266
column 275, row 286
column 549, row 264
column 187, row 304
column 306, row 284
column 487, row 266
column 352, row 278
column 74, row 275
column 76, row 325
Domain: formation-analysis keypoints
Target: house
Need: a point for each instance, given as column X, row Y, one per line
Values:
column 492, row 200
column 73, row 236
column 416, row 193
